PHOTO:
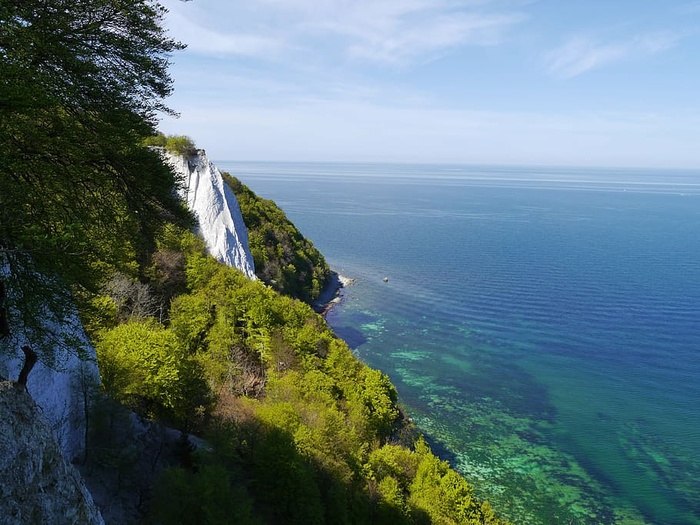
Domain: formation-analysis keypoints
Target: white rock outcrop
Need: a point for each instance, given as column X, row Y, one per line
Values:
column 37, row 485
column 60, row 389
column 217, row 210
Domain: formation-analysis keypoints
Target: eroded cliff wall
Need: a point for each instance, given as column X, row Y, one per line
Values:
column 217, row 210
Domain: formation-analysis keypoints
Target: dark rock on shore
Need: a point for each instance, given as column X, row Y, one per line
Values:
column 331, row 294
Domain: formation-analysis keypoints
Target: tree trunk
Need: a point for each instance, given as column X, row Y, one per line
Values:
column 4, row 323
column 30, row 359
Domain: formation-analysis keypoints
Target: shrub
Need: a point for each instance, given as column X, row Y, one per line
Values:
column 144, row 366
column 179, row 144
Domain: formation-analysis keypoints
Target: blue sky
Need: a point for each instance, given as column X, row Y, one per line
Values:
column 566, row 82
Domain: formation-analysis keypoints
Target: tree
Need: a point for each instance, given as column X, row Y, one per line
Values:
column 81, row 83
column 179, row 144
column 146, row 367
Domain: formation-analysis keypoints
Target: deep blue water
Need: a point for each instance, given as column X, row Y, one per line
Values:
column 542, row 325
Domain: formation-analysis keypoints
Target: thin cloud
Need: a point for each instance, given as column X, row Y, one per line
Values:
column 398, row 31
column 580, row 54
column 415, row 40
column 383, row 31
column 205, row 40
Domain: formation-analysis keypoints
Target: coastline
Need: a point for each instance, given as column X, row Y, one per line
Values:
column 332, row 294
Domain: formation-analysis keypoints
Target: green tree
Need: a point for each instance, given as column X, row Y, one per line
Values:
column 204, row 497
column 180, row 144
column 81, row 82
column 146, row 367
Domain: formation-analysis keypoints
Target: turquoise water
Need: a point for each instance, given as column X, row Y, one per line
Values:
column 541, row 325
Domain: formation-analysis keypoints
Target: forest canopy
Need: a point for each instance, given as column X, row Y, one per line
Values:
column 81, row 82
column 300, row 430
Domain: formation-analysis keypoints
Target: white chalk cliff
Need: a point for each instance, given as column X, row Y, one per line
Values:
column 216, row 209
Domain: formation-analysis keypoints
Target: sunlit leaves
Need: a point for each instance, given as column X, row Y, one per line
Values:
column 303, row 422
column 146, row 367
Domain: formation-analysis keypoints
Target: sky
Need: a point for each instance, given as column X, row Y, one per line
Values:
column 553, row 82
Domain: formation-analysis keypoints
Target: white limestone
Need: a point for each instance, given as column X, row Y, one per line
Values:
column 217, row 210
column 60, row 389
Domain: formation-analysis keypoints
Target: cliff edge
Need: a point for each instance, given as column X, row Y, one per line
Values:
column 59, row 385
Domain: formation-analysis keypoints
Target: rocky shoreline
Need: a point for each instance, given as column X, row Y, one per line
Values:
column 332, row 293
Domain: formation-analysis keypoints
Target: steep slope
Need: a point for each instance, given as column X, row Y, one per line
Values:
column 284, row 258
column 217, row 210
column 37, row 485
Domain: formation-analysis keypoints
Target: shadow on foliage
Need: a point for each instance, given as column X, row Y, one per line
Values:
column 258, row 475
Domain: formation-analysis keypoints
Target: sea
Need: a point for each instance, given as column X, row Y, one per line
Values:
column 541, row 324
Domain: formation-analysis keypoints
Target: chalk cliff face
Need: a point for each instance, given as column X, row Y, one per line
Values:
column 59, row 389
column 216, row 208
column 37, row 485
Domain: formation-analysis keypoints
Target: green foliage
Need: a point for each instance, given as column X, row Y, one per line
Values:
column 79, row 195
column 159, row 140
column 86, row 54
column 426, row 486
column 283, row 258
column 284, row 481
column 204, row 497
column 98, row 314
column 179, row 144
column 146, row 367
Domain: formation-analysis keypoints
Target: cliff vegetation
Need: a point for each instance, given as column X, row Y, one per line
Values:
column 284, row 258
column 178, row 144
column 299, row 430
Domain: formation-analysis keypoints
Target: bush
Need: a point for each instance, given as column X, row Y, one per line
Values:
column 178, row 144
column 144, row 366
column 205, row 497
